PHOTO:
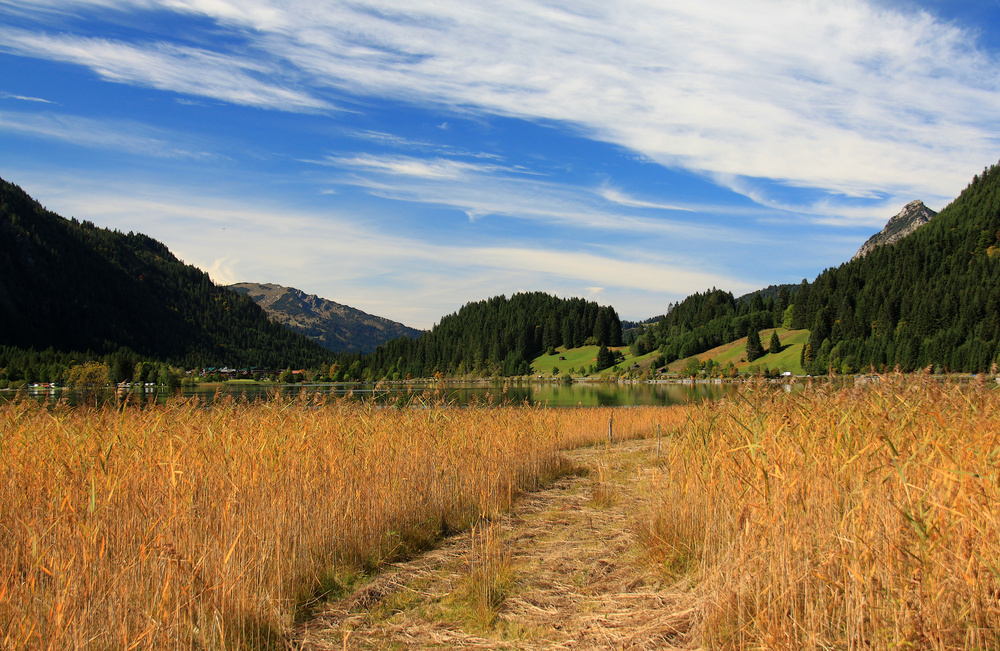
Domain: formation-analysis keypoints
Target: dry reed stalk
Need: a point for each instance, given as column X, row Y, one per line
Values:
column 489, row 571
column 603, row 493
column 188, row 525
column 855, row 518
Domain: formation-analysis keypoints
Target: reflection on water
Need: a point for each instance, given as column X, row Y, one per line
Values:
column 585, row 394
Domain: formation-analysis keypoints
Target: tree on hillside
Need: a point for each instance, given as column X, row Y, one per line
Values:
column 775, row 345
column 605, row 359
column 755, row 348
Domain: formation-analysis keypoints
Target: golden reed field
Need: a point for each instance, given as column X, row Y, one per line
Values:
column 212, row 526
column 846, row 518
column 858, row 518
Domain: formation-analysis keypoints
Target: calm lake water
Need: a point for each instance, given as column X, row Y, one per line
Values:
column 544, row 394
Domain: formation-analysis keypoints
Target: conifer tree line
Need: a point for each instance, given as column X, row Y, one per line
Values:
column 931, row 300
column 705, row 320
column 497, row 336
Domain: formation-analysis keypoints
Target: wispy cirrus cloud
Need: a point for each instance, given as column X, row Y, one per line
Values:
column 425, row 168
column 23, row 98
column 164, row 66
column 619, row 197
column 393, row 140
column 846, row 97
column 117, row 135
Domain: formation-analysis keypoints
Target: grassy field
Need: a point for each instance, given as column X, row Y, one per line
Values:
column 581, row 358
column 787, row 359
column 850, row 518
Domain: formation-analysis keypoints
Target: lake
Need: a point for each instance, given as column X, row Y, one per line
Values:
column 588, row 394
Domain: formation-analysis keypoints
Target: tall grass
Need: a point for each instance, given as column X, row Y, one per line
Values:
column 859, row 518
column 489, row 571
column 187, row 525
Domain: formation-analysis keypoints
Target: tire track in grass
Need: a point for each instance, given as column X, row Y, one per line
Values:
column 571, row 576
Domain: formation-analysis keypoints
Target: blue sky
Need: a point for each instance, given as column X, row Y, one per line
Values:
column 406, row 158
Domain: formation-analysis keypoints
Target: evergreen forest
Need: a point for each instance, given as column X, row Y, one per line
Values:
column 931, row 300
column 497, row 336
column 81, row 292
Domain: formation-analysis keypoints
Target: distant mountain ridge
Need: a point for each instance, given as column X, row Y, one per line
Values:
column 337, row 327
column 914, row 215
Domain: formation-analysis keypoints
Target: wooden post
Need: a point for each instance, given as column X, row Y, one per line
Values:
column 657, row 440
column 610, row 420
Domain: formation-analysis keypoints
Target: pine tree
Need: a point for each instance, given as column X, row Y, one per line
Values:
column 775, row 345
column 755, row 348
column 604, row 358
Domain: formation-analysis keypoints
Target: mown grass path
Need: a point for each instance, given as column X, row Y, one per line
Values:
column 572, row 576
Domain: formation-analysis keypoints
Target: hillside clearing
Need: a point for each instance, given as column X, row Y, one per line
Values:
column 787, row 359
column 579, row 360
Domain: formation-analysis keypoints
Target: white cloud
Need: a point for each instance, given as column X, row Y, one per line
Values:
column 393, row 140
column 192, row 71
column 425, row 168
column 619, row 197
column 834, row 95
column 23, row 98
column 840, row 95
column 119, row 135
column 345, row 259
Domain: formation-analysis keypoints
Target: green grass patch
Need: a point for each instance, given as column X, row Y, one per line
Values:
column 787, row 359
column 573, row 358
column 580, row 359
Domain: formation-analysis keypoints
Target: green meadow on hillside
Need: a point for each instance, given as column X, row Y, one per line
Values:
column 788, row 359
column 580, row 360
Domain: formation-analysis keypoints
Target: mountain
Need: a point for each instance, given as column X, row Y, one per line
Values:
column 914, row 215
column 932, row 299
column 334, row 326
column 71, row 286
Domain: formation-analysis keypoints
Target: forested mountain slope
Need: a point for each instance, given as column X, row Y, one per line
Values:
column 930, row 299
column 71, row 286
column 705, row 320
column 340, row 328
column 497, row 336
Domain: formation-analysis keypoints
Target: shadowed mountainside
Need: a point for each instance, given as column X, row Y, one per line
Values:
column 71, row 286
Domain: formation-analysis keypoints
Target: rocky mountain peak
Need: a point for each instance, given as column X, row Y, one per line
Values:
column 914, row 215
column 332, row 325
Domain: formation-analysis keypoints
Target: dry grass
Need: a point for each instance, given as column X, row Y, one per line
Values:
column 490, row 575
column 576, row 580
column 188, row 525
column 860, row 518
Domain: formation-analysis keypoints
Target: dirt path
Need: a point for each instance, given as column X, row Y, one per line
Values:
column 574, row 578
